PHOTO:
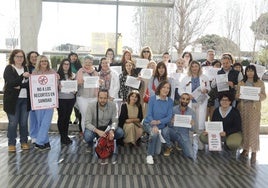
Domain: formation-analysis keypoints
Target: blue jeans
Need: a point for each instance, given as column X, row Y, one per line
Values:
column 33, row 125
column 181, row 135
column 44, row 118
column 20, row 117
column 90, row 135
column 154, row 144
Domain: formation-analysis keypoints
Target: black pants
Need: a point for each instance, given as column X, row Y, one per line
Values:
column 64, row 113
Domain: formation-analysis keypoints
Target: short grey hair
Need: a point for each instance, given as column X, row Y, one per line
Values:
column 90, row 57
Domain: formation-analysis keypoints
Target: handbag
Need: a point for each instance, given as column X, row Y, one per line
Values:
column 146, row 97
column 105, row 146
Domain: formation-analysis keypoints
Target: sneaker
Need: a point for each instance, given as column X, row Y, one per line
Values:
column 11, row 148
column 76, row 121
column 25, row 146
column 48, row 145
column 149, row 159
column 67, row 141
column 168, row 152
column 114, row 158
column 42, row 147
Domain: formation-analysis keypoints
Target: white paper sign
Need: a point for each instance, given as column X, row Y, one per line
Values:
column 133, row 82
column 182, row 121
column 214, row 126
column 141, row 63
column 260, row 69
column 117, row 69
column 222, row 82
column 68, row 86
column 210, row 72
column 146, row 73
column 171, row 68
column 250, row 93
column 91, row 81
column 198, row 96
column 43, row 91
column 214, row 141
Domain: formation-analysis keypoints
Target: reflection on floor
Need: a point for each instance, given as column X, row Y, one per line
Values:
column 70, row 166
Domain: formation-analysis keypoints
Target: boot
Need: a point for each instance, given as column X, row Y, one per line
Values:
column 244, row 154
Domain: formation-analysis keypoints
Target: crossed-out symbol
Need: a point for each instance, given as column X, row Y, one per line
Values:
column 42, row 80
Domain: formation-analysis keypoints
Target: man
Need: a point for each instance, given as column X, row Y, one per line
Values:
column 107, row 115
column 181, row 134
column 210, row 58
column 166, row 58
column 233, row 76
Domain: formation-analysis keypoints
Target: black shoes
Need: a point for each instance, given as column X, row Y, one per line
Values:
column 66, row 141
column 46, row 146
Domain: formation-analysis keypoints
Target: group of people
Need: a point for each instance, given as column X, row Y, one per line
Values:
column 148, row 110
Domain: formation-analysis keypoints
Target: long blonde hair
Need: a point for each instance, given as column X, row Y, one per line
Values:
column 37, row 66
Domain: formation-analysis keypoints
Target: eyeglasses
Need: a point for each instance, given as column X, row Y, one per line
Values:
column 44, row 61
column 146, row 52
column 18, row 56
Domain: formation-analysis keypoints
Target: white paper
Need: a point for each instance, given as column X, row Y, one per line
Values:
column 260, row 69
column 182, row 120
column 146, row 73
column 198, row 96
column 43, row 91
column 214, row 126
column 161, row 137
column 171, row 68
column 222, row 82
column 68, row 86
column 91, row 81
column 250, row 93
column 210, row 72
column 133, row 82
column 117, row 69
column 214, row 141
column 141, row 63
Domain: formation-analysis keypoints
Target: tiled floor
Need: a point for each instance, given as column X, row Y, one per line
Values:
column 70, row 166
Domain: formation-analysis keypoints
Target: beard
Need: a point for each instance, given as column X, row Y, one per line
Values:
column 184, row 104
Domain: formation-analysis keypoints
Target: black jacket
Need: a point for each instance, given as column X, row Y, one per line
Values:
column 12, row 79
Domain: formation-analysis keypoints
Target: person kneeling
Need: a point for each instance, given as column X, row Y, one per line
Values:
column 231, row 121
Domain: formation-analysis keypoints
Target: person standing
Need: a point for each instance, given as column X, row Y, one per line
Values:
column 43, row 116
column 251, row 113
column 210, row 58
column 66, row 102
column 32, row 59
column 16, row 99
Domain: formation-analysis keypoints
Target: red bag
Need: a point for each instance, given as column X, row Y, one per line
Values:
column 147, row 94
column 105, row 147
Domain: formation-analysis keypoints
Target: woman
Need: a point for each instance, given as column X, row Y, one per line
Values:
column 43, row 116
column 238, row 67
column 16, row 99
column 75, row 66
column 66, row 101
column 159, row 76
column 196, row 82
column 251, row 113
column 158, row 117
column 109, row 80
column 129, row 70
column 32, row 59
column 231, row 121
column 130, row 118
column 85, row 95
column 146, row 53
column 125, row 58
column 187, row 56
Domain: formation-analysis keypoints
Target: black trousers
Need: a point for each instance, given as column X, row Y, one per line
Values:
column 64, row 113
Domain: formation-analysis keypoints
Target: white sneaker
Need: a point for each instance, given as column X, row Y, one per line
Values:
column 149, row 159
